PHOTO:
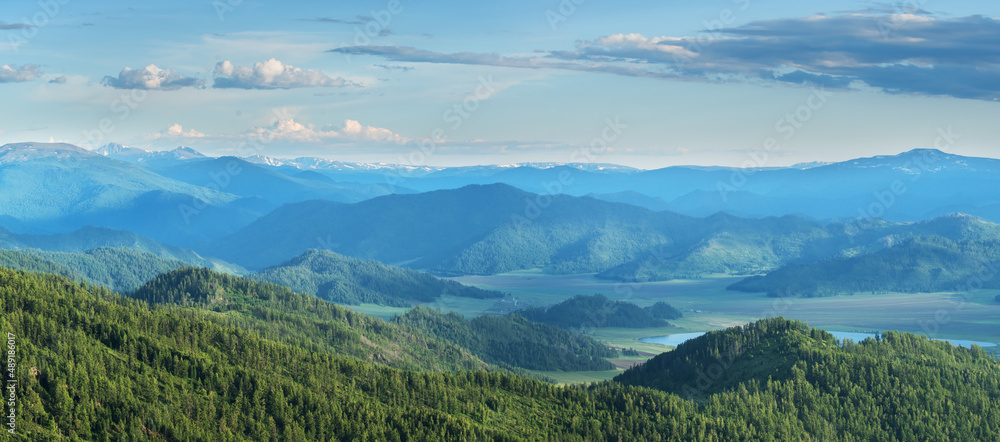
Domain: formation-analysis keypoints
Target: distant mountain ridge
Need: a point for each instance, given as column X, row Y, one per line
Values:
column 49, row 188
column 148, row 158
column 497, row 228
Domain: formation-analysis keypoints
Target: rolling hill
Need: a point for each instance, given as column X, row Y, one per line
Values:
column 512, row 340
column 90, row 237
column 344, row 280
column 916, row 265
column 118, row 269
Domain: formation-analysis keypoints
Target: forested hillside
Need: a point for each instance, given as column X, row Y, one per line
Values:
column 344, row 280
column 119, row 269
column 901, row 386
column 512, row 340
column 274, row 312
column 90, row 238
column 599, row 311
column 94, row 365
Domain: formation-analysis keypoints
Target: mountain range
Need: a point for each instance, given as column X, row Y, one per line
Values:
column 620, row 223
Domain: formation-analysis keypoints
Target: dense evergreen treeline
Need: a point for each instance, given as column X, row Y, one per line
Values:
column 274, row 312
column 662, row 310
column 90, row 238
column 94, row 365
column 899, row 386
column 119, row 268
column 599, row 311
column 344, row 280
column 513, row 340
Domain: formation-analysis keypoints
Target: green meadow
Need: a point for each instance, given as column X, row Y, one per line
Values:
column 707, row 305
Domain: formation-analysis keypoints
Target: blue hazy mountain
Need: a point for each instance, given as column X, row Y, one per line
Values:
column 49, row 188
column 147, row 158
column 245, row 179
column 911, row 186
column 498, row 228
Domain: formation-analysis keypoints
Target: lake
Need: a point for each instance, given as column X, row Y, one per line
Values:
column 679, row 338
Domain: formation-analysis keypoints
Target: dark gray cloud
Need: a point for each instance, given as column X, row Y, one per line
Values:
column 150, row 78
column 13, row 26
column 18, row 74
column 394, row 67
column 358, row 20
column 906, row 52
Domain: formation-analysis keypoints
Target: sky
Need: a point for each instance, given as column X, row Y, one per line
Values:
column 648, row 84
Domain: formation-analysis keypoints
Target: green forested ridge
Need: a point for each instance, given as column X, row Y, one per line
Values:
column 662, row 310
column 920, row 264
column 344, row 280
column 513, row 340
column 119, row 269
column 275, row 312
column 94, row 365
column 90, row 238
column 900, row 386
column 599, row 311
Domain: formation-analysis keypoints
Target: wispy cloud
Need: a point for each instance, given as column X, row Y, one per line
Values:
column 905, row 52
column 272, row 74
column 152, row 78
column 410, row 54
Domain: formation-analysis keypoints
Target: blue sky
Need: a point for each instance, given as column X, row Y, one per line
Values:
column 646, row 84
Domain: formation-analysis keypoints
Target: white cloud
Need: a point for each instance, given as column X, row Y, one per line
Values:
column 352, row 130
column 15, row 74
column 670, row 45
column 272, row 74
column 176, row 131
column 151, row 78
column 291, row 130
